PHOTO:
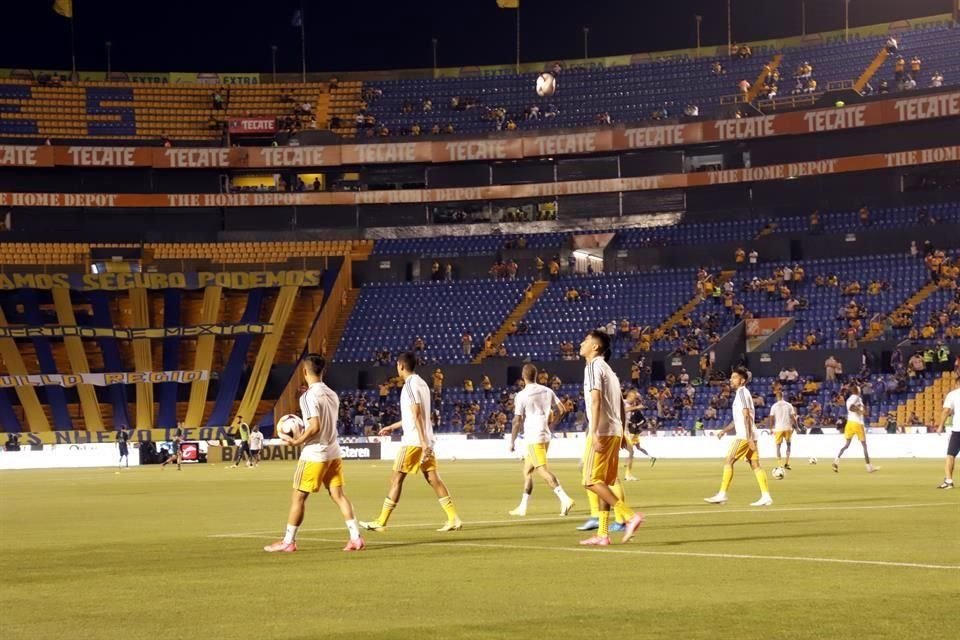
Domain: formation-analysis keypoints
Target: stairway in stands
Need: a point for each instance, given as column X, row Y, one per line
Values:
column 516, row 315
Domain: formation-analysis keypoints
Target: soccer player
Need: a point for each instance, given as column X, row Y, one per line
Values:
column 538, row 409
column 123, row 437
column 745, row 444
column 176, row 455
column 783, row 418
column 854, row 427
column 256, row 444
column 243, row 430
column 601, row 459
column 951, row 410
column 320, row 463
column 416, row 454
column 635, row 422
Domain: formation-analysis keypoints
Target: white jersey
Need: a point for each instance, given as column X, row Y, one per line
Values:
column 854, row 401
column 952, row 401
column 743, row 400
column 599, row 375
column 256, row 441
column 783, row 414
column 322, row 403
column 415, row 392
column 534, row 403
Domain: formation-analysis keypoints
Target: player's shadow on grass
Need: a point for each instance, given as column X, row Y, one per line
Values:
column 815, row 534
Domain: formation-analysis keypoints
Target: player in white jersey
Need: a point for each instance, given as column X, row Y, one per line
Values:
column 951, row 411
column 320, row 463
column 416, row 454
column 601, row 458
column 855, row 426
column 537, row 409
column 745, row 444
column 783, row 419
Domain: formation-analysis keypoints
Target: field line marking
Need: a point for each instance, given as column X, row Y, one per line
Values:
column 707, row 509
column 638, row 552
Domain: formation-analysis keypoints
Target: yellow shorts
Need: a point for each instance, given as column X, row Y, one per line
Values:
column 853, row 429
column 634, row 439
column 783, row 436
column 601, row 466
column 310, row 476
column 740, row 449
column 410, row 460
column 537, row 454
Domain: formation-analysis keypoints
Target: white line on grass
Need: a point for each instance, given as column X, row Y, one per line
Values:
column 638, row 552
column 706, row 510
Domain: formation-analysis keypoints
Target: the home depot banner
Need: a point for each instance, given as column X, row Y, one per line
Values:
column 175, row 280
column 102, row 379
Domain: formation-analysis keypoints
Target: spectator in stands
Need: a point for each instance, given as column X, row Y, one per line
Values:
column 437, row 382
column 691, row 111
column 936, row 80
column 883, row 87
column 551, row 111
column 449, row 129
column 811, row 86
column 743, row 86
column 915, row 365
column 915, row 63
column 898, row 68
column 572, row 295
column 502, row 351
column 217, row 100
column 717, row 68
column 891, row 45
column 753, row 256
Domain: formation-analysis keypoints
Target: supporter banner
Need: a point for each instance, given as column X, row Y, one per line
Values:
column 758, row 327
column 137, row 435
column 885, row 112
column 458, row 194
column 173, row 280
column 102, row 379
column 134, row 334
column 252, row 125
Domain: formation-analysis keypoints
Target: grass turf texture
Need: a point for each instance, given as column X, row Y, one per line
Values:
column 93, row 554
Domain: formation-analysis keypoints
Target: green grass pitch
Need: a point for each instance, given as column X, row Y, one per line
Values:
column 151, row 554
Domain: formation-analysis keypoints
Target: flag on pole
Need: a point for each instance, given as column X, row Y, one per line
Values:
column 64, row 8
column 508, row 4
column 297, row 19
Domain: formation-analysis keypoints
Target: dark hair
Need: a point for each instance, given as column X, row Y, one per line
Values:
column 529, row 372
column 316, row 363
column 408, row 361
column 604, row 341
column 743, row 372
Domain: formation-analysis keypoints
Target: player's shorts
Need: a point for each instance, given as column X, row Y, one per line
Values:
column 537, row 454
column 310, row 476
column 953, row 447
column 634, row 439
column 783, row 436
column 123, row 450
column 410, row 460
column 601, row 466
column 853, row 429
column 740, row 450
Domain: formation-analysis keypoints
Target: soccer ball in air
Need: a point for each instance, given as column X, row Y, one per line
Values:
column 290, row 425
column 546, row 84
column 779, row 473
column 812, row 461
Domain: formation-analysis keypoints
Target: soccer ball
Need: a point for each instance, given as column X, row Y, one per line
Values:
column 290, row 425
column 546, row 84
column 779, row 473
column 813, row 461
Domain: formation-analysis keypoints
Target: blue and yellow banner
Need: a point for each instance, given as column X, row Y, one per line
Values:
column 128, row 333
column 174, row 280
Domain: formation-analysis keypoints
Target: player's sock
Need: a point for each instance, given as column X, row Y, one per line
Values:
column 594, row 504
column 388, row 507
column 447, row 505
column 762, row 481
column 353, row 529
column 524, row 501
column 779, row 461
column 604, row 530
column 727, row 478
column 561, row 494
column 623, row 512
column 617, row 490
column 291, row 534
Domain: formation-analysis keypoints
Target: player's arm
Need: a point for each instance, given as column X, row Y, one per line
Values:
column 593, row 412
column 390, row 428
column 625, row 443
column 724, row 431
column 750, row 428
column 556, row 415
column 310, row 430
column 517, row 422
column 947, row 412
